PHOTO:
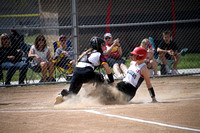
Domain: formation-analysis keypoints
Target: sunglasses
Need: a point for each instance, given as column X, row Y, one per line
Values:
column 41, row 39
column 107, row 38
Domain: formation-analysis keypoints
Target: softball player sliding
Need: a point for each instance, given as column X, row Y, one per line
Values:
column 136, row 74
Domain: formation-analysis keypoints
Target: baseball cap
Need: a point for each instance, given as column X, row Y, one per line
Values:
column 107, row 34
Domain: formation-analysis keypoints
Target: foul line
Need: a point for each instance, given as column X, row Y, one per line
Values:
column 143, row 121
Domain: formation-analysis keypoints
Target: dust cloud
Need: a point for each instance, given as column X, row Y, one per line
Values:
column 94, row 95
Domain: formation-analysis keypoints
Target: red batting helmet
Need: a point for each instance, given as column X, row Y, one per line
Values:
column 140, row 52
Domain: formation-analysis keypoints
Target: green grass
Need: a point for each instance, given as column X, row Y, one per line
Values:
column 189, row 61
column 30, row 39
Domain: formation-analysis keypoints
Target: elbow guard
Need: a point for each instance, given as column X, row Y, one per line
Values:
column 110, row 77
column 151, row 92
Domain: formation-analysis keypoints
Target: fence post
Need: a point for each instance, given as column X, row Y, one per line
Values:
column 74, row 28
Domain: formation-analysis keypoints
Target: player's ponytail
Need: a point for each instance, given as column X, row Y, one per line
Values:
column 84, row 53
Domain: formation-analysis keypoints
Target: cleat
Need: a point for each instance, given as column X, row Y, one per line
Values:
column 59, row 99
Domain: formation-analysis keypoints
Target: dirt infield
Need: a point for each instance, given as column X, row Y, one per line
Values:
column 31, row 109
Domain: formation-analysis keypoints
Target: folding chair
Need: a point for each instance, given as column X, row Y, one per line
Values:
column 64, row 69
column 34, row 72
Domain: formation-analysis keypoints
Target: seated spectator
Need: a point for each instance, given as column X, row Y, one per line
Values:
column 168, row 50
column 64, row 53
column 113, row 53
column 150, row 61
column 10, row 60
column 42, row 58
column 57, row 44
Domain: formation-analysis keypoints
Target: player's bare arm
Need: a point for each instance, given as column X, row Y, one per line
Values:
column 145, row 73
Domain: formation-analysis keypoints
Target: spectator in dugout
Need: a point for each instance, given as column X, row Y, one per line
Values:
column 113, row 53
column 42, row 59
column 10, row 60
column 168, row 50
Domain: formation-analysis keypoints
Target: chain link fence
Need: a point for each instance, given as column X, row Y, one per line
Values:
column 130, row 21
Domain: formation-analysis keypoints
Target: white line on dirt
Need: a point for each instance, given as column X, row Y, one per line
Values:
column 143, row 121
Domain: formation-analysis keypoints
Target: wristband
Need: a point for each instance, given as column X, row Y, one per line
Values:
column 151, row 92
column 110, row 77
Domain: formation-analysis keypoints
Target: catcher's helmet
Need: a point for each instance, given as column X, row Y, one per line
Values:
column 140, row 52
column 96, row 43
